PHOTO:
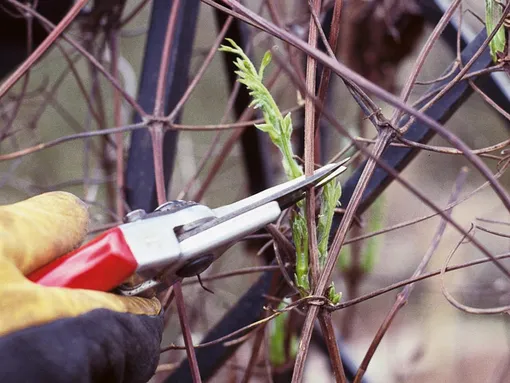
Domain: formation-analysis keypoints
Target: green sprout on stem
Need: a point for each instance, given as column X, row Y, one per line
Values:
column 279, row 129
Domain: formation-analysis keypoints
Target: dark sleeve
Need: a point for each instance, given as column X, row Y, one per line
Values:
column 100, row 346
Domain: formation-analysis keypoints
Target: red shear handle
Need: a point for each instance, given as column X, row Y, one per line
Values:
column 102, row 264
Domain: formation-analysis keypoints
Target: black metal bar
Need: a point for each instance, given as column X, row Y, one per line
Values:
column 140, row 178
column 255, row 144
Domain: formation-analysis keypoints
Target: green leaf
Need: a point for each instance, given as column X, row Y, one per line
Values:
column 493, row 13
column 233, row 43
column 333, row 296
column 269, row 129
column 225, row 48
column 287, row 126
column 330, row 196
column 265, row 62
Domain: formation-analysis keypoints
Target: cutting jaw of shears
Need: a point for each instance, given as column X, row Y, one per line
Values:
column 178, row 240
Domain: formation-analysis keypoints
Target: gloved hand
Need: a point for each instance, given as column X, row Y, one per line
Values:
column 50, row 334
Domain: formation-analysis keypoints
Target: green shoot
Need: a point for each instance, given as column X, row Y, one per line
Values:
column 300, row 236
column 279, row 129
column 330, row 196
column 333, row 296
column 493, row 13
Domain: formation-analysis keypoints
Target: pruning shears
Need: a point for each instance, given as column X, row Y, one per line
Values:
column 179, row 239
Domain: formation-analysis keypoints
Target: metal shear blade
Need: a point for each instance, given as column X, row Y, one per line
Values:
column 285, row 194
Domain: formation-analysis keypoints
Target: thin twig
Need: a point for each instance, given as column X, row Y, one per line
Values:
column 405, row 282
column 424, row 52
column 332, row 45
column 210, row 55
column 403, row 296
column 84, row 52
column 186, row 333
column 242, row 271
column 133, row 13
column 254, row 354
column 72, row 137
column 453, row 301
column 161, row 85
column 43, row 47
column 335, row 250
column 309, row 144
column 280, row 242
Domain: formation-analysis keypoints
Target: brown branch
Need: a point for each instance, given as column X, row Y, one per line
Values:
column 165, row 59
column 157, row 132
column 334, row 352
column 457, row 304
column 332, row 44
column 257, row 344
column 404, row 143
column 415, row 220
column 309, row 145
column 186, row 332
column 232, row 334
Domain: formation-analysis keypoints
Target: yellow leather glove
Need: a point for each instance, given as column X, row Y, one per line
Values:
column 32, row 233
